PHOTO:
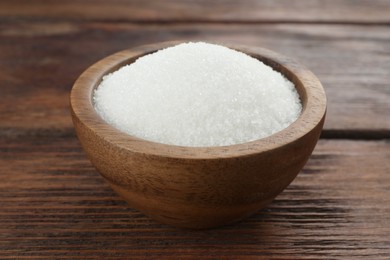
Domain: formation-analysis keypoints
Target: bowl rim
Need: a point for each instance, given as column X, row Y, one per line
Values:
column 307, row 84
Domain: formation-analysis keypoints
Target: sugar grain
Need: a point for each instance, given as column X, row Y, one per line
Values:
column 197, row 94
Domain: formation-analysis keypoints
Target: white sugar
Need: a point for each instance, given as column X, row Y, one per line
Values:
column 197, row 94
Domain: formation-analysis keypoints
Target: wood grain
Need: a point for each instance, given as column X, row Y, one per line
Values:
column 313, row 11
column 55, row 204
column 40, row 61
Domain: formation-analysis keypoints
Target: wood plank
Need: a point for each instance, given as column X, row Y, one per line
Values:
column 40, row 61
column 344, row 11
column 54, row 204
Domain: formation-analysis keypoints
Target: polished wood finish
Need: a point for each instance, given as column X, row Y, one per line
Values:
column 198, row 187
column 55, row 205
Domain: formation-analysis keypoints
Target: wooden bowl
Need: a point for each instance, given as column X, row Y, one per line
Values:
column 198, row 187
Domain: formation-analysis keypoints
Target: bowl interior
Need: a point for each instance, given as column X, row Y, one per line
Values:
column 308, row 86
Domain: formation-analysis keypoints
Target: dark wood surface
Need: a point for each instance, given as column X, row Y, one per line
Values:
column 40, row 61
column 54, row 204
column 173, row 11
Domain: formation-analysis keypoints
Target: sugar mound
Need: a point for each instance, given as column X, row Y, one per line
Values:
column 197, row 94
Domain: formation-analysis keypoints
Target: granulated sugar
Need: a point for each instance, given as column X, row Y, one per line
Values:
column 197, row 94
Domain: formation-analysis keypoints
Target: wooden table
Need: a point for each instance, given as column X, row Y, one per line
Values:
column 54, row 204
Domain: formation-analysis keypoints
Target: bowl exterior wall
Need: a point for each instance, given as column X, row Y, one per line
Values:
column 197, row 193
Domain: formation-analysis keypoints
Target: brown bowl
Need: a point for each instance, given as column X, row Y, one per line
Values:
column 198, row 187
